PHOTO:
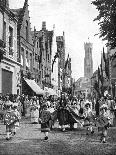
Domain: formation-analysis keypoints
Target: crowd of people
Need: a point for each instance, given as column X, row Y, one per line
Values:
column 66, row 110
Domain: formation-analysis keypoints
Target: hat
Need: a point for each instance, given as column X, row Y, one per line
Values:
column 87, row 103
column 15, row 104
column 104, row 106
column 44, row 105
column 8, row 103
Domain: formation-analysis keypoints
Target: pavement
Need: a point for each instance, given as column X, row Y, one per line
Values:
column 30, row 141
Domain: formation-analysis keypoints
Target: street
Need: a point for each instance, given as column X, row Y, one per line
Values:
column 29, row 140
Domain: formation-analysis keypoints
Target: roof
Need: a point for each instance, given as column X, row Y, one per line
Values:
column 20, row 13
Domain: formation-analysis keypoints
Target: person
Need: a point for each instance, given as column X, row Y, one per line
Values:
column 34, row 112
column 88, row 114
column 16, row 112
column 62, row 112
column 103, row 125
column 45, row 118
column 9, row 119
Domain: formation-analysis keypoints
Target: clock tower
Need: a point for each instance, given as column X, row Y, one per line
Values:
column 88, row 61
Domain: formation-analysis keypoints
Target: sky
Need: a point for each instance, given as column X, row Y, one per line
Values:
column 75, row 18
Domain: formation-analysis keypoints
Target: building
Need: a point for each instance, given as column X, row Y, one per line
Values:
column 25, row 45
column 112, row 70
column 94, row 81
column 88, row 61
column 54, row 73
column 82, row 87
column 43, row 52
column 9, row 65
column 68, row 76
column 61, row 61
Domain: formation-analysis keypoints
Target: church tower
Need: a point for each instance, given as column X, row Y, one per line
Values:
column 88, row 61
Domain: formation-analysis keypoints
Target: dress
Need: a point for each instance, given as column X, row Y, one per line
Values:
column 45, row 120
column 34, row 114
column 63, row 113
column 10, row 118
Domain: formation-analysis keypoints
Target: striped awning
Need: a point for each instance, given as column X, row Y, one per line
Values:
column 35, row 87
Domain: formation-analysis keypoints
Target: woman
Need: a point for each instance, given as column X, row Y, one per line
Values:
column 62, row 112
column 34, row 112
column 45, row 119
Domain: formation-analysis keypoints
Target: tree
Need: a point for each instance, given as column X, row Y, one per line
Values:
column 107, row 20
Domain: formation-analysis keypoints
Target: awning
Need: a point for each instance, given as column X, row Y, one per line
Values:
column 35, row 87
column 50, row 91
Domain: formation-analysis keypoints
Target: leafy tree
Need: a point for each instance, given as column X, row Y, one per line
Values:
column 107, row 20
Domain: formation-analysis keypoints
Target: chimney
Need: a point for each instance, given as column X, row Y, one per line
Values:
column 43, row 25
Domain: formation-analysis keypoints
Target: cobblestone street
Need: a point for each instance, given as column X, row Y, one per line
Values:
column 29, row 140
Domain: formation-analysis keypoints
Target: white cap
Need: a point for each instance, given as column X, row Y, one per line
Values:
column 104, row 106
column 8, row 103
column 15, row 104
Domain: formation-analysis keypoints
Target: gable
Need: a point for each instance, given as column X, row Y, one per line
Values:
column 26, row 25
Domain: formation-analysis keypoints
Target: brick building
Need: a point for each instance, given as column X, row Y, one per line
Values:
column 9, row 66
column 25, row 44
column 43, row 51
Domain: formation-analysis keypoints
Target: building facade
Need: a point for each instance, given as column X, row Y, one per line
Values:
column 9, row 66
column 43, row 52
column 88, row 61
column 25, row 44
column 82, row 87
column 54, row 73
column 61, row 61
column 68, row 76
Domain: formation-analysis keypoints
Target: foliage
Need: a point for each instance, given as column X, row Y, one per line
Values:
column 107, row 20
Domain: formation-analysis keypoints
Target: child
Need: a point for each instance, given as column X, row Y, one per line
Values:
column 106, row 122
column 9, row 119
column 45, row 118
column 88, row 114
column 16, row 112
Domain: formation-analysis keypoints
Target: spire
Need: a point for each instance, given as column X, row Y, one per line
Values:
column 25, row 4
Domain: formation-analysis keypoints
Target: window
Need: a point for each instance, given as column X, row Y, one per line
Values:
column 37, row 45
column 4, row 32
column 48, row 57
column 10, row 36
column 10, row 40
column 31, row 61
column 1, row 26
column 27, row 33
column 27, row 59
column 22, row 56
